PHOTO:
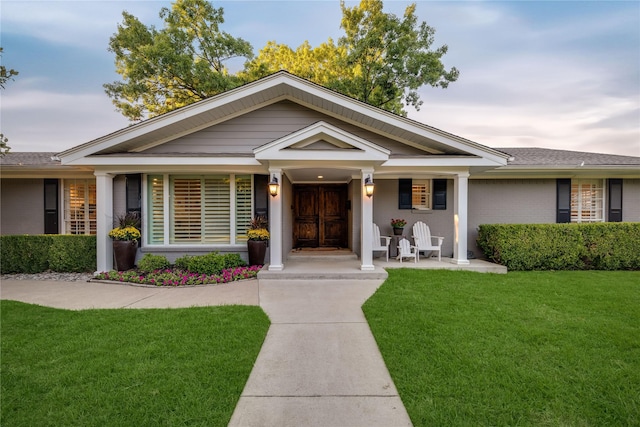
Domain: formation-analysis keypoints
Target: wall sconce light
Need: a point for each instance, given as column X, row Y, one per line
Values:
column 274, row 186
column 368, row 186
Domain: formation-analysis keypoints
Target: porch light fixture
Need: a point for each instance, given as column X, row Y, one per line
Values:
column 274, row 186
column 368, row 186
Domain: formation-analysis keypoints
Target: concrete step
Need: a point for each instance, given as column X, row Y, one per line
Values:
column 322, row 268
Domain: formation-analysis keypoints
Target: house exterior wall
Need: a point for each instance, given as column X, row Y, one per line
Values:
column 385, row 207
column 287, row 217
column 22, row 205
column 242, row 134
column 631, row 200
column 509, row 201
column 119, row 197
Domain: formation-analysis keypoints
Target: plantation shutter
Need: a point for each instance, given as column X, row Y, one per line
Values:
column 439, row 194
column 156, row 210
column 615, row 200
column 563, row 200
column 243, row 206
column 217, row 201
column 186, row 212
column 404, row 193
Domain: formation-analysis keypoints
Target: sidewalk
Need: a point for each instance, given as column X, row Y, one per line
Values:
column 320, row 365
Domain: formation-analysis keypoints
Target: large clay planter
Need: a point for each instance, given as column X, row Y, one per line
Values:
column 257, row 251
column 124, row 252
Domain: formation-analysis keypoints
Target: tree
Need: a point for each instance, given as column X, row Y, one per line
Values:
column 382, row 59
column 5, row 76
column 180, row 64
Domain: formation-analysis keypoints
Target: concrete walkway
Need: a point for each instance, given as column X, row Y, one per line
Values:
column 319, row 365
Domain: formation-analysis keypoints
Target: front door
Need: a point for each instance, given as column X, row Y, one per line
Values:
column 320, row 216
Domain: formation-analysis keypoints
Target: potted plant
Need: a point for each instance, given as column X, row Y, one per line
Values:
column 258, row 236
column 125, row 241
column 398, row 225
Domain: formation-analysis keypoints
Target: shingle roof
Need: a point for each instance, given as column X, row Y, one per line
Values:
column 29, row 159
column 531, row 156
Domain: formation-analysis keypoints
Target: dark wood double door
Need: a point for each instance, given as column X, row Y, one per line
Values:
column 320, row 216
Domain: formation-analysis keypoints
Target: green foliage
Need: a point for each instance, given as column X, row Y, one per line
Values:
column 38, row 253
column 180, row 64
column 24, row 253
column 212, row 263
column 5, row 76
column 599, row 246
column 540, row 348
column 70, row 253
column 175, row 367
column 151, row 262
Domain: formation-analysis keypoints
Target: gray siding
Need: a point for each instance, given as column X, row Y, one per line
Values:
column 385, row 207
column 119, row 197
column 22, row 206
column 631, row 200
column 509, row 201
column 242, row 134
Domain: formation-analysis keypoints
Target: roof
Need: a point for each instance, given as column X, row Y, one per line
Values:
column 30, row 158
column 531, row 156
column 266, row 91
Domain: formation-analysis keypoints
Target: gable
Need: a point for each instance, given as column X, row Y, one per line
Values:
column 258, row 95
column 241, row 135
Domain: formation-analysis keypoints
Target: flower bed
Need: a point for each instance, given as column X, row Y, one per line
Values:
column 176, row 277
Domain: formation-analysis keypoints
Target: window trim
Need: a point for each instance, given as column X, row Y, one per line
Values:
column 166, row 182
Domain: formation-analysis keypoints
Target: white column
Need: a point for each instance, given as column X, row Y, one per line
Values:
column 275, row 224
column 104, row 220
column 460, row 210
column 366, row 232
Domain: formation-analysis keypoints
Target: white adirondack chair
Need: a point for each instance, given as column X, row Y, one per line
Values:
column 380, row 243
column 405, row 250
column 424, row 241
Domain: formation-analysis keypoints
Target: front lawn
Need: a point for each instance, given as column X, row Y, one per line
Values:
column 126, row 367
column 527, row 349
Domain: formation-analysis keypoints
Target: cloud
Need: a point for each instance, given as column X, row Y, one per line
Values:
column 36, row 120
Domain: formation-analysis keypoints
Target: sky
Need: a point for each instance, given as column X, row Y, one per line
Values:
column 549, row 74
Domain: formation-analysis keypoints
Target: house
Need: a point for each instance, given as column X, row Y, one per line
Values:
column 197, row 175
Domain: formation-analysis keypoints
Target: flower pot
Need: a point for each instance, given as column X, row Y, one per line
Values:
column 124, row 252
column 257, row 251
column 398, row 231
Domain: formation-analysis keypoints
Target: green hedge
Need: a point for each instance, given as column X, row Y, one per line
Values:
column 38, row 253
column 599, row 246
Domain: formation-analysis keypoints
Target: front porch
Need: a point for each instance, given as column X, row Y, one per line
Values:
column 345, row 265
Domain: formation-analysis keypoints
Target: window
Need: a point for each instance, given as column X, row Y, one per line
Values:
column 204, row 209
column 587, row 200
column 80, row 206
column 422, row 194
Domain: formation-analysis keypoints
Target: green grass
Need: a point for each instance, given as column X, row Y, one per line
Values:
column 126, row 367
column 526, row 349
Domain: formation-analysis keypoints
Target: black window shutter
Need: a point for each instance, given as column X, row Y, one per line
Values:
column 563, row 200
column 51, row 206
column 261, row 195
column 440, row 194
column 404, row 194
column 134, row 193
column 615, row 200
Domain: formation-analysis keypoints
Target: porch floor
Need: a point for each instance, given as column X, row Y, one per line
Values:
column 344, row 264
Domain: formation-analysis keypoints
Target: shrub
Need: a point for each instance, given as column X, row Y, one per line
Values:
column 24, row 253
column 69, row 253
column 150, row 262
column 38, row 253
column 212, row 263
column 601, row 246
